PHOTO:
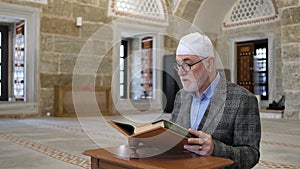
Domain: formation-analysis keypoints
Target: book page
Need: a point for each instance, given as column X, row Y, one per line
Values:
column 147, row 127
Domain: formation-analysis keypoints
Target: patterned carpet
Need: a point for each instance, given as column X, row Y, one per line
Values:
column 47, row 143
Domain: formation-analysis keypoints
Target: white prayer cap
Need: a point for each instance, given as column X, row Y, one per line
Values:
column 195, row 44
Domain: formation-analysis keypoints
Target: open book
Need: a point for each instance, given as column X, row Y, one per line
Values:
column 161, row 133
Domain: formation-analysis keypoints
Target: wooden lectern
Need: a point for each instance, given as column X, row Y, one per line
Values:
column 119, row 158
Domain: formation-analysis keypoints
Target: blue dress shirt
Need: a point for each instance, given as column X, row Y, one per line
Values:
column 199, row 105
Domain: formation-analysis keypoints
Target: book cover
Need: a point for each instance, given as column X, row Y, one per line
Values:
column 160, row 134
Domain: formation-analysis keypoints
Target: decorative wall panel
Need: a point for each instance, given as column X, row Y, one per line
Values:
column 154, row 11
column 248, row 12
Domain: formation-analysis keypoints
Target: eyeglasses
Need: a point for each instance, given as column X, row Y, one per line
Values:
column 185, row 66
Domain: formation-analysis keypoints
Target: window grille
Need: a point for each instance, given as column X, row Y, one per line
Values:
column 246, row 12
column 153, row 11
column 19, row 65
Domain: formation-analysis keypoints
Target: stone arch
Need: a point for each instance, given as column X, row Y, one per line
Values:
column 210, row 12
column 187, row 9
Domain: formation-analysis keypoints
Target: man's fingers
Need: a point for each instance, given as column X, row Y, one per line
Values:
column 195, row 149
column 197, row 141
column 201, row 141
column 195, row 132
column 202, row 145
column 193, row 141
column 199, row 134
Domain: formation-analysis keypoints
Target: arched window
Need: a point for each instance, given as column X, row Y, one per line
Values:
column 151, row 11
column 247, row 12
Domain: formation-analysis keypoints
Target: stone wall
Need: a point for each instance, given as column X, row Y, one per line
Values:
column 286, row 47
column 61, row 42
column 271, row 30
column 290, row 55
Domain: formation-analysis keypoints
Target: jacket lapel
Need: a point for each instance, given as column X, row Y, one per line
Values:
column 214, row 112
column 184, row 116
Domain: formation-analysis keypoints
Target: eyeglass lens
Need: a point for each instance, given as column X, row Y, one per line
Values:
column 186, row 67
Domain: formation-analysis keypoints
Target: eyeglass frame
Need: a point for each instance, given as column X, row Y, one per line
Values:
column 177, row 66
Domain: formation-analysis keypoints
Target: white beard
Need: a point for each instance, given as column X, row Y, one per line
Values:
column 190, row 86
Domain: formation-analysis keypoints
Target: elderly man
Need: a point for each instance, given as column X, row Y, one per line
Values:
column 223, row 115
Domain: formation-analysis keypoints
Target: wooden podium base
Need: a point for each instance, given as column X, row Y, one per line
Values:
column 119, row 158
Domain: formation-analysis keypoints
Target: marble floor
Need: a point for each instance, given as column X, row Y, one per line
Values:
column 52, row 143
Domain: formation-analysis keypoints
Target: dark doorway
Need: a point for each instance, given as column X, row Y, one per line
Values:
column 4, row 63
column 171, row 82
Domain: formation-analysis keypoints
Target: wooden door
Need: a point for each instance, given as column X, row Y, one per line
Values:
column 245, row 54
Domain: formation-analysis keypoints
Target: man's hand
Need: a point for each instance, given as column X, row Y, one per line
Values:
column 203, row 145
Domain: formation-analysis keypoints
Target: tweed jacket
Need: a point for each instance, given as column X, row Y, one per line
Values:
column 232, row 118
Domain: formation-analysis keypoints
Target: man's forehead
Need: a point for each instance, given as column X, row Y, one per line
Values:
column 187, row 57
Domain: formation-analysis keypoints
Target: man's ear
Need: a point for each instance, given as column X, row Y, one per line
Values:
column 211, row 63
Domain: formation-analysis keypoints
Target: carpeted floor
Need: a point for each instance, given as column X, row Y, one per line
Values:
column 48, row 143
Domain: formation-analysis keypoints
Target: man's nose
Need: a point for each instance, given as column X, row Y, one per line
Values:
column 181, row 71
